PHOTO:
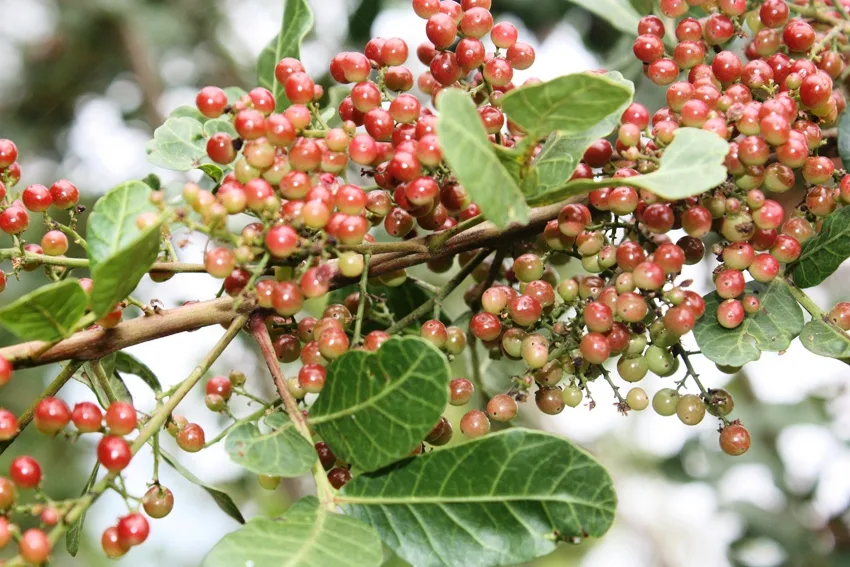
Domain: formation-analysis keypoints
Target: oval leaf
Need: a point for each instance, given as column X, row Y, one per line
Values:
column 117, row 276
column 297, row 23
column 471, row 157
column 824, row 253
column 306, row 536
column 179, row 144
column 376, row 407
column 281, row 452
column 561, row 154
column 777, row 323
column 501, row 499
column 129, row 364
column 825, row 339
column 47, row 314
column 619, row 13
column 75, row 530
column 691, row 164
column 844, row 136
column 112, row 223
column 570, row 104
column 224, row 501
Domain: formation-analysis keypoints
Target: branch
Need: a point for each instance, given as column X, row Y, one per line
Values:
column 97, row 343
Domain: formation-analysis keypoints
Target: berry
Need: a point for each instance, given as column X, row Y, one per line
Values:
column 502, row 408
column 735, row 439
column 121, row 418
column 461, row 391
column 114, row 453
column 339, row 477
column 158, row 501
column 112, row 547
column 211, row 101
column 34, row 546
column 51, row 416
column 133, row 530
column 8, row 425
column 191, row 438
column 474, row 423
column 665, row 402
column 25, row 472
column 690, row 409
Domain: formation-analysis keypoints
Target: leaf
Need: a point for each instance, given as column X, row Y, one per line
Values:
column 824, row 253
column 471, row 157
column 212, row 171
column 234, row 93
column 619, row 13
column 281, row 452
column 297, row 23
column 117, row 276
column 336, row 94
column 691, row 164
column 501, row 499
column 129, row 364
column 188, row 111
column 47, row 314
column 825, row 339
column 179, row 144
column 307, row 535
column 777, row 322
column 153, row 181
column 220, row 125
column 376, row 407
column 87, row 376
column 570, row 104
column 559, row 158
column 844, row 137
column 224, row 501
column 72, row 537
column 112, row 223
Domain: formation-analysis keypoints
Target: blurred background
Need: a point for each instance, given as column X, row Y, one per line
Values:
column 83, row 83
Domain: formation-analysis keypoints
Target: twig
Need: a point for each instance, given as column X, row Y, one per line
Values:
column 361, row 303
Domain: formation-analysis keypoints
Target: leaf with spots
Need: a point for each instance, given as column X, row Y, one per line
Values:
column 501, row 499
column 112, row 223
column 824, row 253
column 825, row 339
column 307, row 535
column 377, row 406
column 49, row 313
column 281, row 451
column 772, row 328
column 178, row 144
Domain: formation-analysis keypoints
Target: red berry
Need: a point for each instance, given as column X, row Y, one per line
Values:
column 191, row 438
column 113, row 548
column 121, row 418
column 51, row 416
column 14, row 220
column 133, row 530
column 8, row 425
column 158, row 502
column 34, row 546
column 114, row 453
column 25, row 472
column 87, row 417
column 211, row 101
column 8, row 153
column 595, row 348
column 734, row 439
column 5, row 371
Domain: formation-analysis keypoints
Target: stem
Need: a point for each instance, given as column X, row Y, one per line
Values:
column 361, row 303
column 261, row 335
column 444, row 292
column 247, row 419
column 43, row 259
column 153, row 426
column 435, row 241
column 607, row 376
column 804, row 300
column 64, row 375
column 103, row 380
column 683, row 354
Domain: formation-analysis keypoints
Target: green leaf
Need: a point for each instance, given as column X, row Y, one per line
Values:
column 87, row 376
column 376, row 407
column 619, row 13
column 220, row 125
column 336, row 94
column 112, row 223
column 844, row 136
column 501, row 499
column 153, row 181
column 72, row 537
column 129, row 364
column 777, row 322
column 824, row 253
column 306, row 536
column 188, row 111
column 118, row 275
column 48, row 313
column 212, row 171
column 570, row 104
column 234, row 93
column 281, row 452
column 224, row 501
column 178, row 144
column 297, row 23
column 559, row 158
column 474, row 162
column 691, row 164
column 825, row 339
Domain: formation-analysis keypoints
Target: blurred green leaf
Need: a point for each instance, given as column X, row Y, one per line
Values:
column 297, row 23
column 129, row 364
column 49, row 313
column 223, row 501
column 619, row 13
column 72, row 537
